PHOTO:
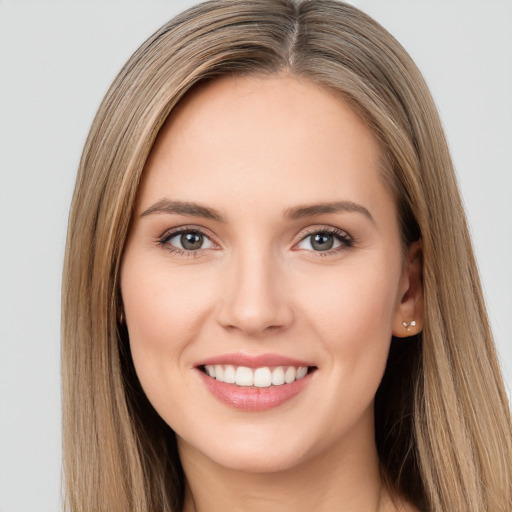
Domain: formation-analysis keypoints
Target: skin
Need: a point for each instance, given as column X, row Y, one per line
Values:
column 251, row 148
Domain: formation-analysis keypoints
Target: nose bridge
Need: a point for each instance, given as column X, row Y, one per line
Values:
column 253, row 298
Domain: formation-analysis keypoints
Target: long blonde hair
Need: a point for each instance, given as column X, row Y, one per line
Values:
column 443, row 428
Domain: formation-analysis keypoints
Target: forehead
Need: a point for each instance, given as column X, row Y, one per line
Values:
column 258, row 139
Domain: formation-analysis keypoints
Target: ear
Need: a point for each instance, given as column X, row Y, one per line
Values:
column 408, row 317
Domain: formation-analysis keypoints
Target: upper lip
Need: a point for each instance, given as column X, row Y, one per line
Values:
column 253, row 361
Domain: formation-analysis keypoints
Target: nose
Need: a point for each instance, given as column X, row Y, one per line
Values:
column 254, row 298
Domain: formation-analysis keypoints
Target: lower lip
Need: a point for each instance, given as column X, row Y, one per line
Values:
column 252, row 398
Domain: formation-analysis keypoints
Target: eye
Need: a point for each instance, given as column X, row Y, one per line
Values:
column 326, row 240
column 186, row 240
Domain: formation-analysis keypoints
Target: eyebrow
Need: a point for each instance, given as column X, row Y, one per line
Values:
column 183, row 208
column 298, row 212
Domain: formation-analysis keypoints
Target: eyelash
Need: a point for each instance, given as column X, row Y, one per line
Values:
column 346, row 241
column 163, row 241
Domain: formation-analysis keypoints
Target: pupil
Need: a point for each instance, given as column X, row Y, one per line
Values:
column 322, row 242
column 191, row 241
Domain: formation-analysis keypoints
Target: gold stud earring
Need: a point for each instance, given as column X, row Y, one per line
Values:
column 408, row 325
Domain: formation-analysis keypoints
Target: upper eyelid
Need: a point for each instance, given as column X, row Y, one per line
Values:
column 324, row 229
column 170, row 233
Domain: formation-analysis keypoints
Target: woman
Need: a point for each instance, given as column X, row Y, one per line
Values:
column 270, row 296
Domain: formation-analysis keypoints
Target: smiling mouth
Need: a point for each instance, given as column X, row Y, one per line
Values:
column 262, row 377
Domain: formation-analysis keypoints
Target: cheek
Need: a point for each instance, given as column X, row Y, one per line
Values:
column 353, row 298
column 351, row 310
column 165, row 311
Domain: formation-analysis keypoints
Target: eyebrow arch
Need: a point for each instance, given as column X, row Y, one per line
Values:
column 183, row 208
column 300, row 212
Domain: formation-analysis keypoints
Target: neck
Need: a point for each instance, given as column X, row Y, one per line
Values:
column 344, row 478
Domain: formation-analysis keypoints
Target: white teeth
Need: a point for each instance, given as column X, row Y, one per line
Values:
column 219, row 372
column 302, row 372
column 290, row 374
column 229, row 374
column 263, row 377
column 278, row 376
column 244, row 376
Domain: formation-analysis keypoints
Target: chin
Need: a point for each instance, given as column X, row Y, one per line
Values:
column 251, row 460
column 271, row 460
column 255, row 450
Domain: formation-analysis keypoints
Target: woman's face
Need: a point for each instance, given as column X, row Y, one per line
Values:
column 265, row 243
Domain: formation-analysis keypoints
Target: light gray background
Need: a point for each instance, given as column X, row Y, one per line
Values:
column 57, row 59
